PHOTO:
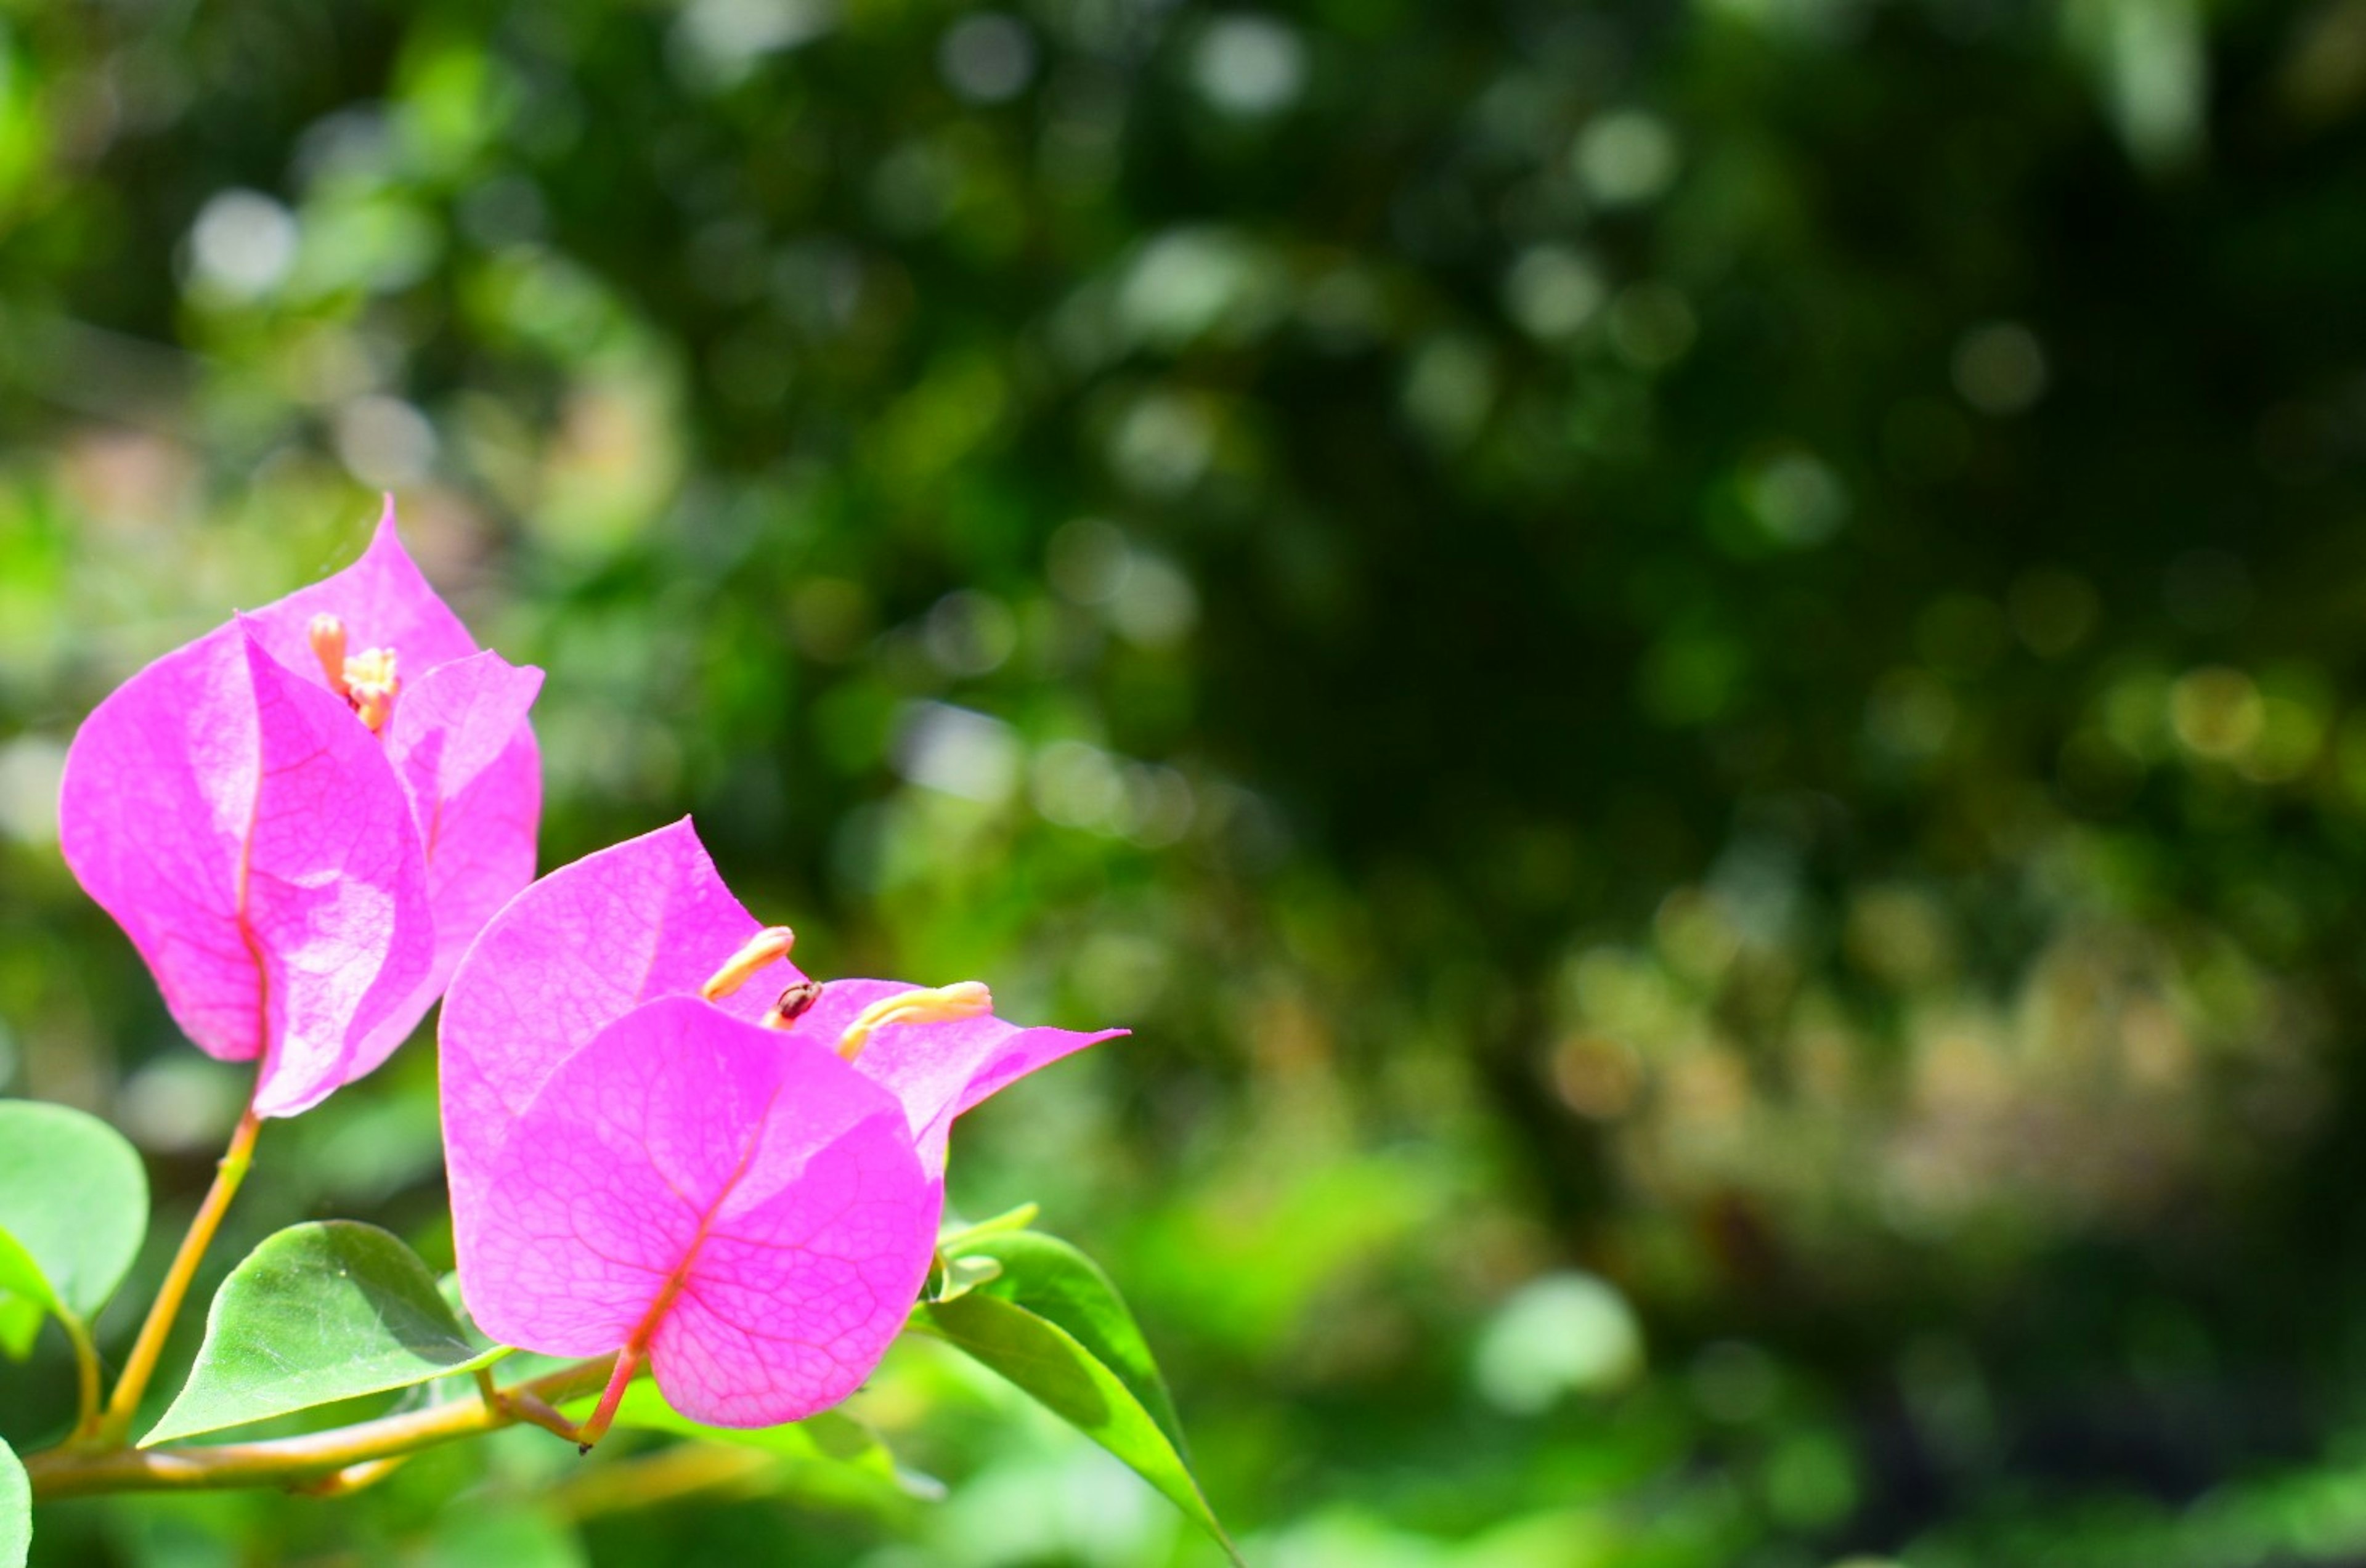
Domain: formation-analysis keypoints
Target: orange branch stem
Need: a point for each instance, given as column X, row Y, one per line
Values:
column 140, row 1364
column 300, row 1462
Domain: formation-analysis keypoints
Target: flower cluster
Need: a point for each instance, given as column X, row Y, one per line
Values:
column 664, row 1141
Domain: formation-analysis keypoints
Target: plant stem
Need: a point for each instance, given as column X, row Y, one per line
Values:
column 86, row 1405
column 629, row 1362
column 141, row 1365
column 353, row 1478
column 294, row 1462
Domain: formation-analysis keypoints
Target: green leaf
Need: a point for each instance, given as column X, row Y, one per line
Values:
column 828, row 1454
column 320, row 1311
column 16, row 1510
column 1054, row 1280
column 1056, row 1365
column 25, row 1299
column 20, row 1324
column 1017, row 1219
column 73, row 1203
column 23, row 1278
column 949, row 1279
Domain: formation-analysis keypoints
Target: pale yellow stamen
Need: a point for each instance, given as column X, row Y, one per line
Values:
column 771, row 943
column 371, row 683
column 946, row 1004
column 367, row 680
column 327, row 635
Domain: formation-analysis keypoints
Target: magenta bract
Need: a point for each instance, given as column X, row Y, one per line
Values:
column 300, row 879
column 576, row 951
column 690, row 1188
column 557, row 1003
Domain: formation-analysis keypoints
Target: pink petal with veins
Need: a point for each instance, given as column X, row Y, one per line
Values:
column 644, row 918
column 461, row 744
column 449, row 726
column 384, row 602
column 153, row 814
column 747, row 1208
column 938, row 1070
column 249, row 836
column 483, row 853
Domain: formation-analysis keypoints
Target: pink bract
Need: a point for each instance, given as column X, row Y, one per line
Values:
column 301, row 886
column 579, row 1002
column 690, row 1187
column 585, row 945
column 650, row 918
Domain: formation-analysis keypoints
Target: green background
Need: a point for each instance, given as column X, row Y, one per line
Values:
column 1690, row 668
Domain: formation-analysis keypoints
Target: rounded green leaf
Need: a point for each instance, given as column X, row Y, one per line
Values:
column 73, row 1199
column 16, row 1510
column 320, row 1312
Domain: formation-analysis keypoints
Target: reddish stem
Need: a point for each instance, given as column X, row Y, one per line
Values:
column 595, row 1426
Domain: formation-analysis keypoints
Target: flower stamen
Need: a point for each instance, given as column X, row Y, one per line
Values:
column 367, row 680
column 793, row 1004
column 771, row 943
column 372, row 684
column 945, row 1004
column 327, row 636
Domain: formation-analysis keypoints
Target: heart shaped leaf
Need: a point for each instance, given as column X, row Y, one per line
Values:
column 1054, row 1326
column 73, row 1207
column 320, row 1312
column 16, row 1510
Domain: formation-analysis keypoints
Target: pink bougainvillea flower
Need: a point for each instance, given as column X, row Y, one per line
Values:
column 649, row 922
column 748, row 1216
column 301, row 841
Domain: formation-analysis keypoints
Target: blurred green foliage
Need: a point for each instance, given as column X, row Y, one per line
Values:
column 1692, row 670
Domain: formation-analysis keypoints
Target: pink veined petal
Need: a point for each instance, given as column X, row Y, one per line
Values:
column 459, row 741
column 450, row 723
column 152, row 815
column 748, row 1210
column 483, row 853
column 384, row 602
column 247, row 834
column 570, row 954
column 336, row 894
column 469, row 761
column 938, row 1070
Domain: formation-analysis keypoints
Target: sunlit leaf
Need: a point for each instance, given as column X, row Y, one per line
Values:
column 20, row 1324
column 73, row 1206
column 320, row 1311
column 1070, row 1377
column 1055, row 1281
column 949, row 1279
column 16, row 1510
column 1017, row 1219
column 21, row 1276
